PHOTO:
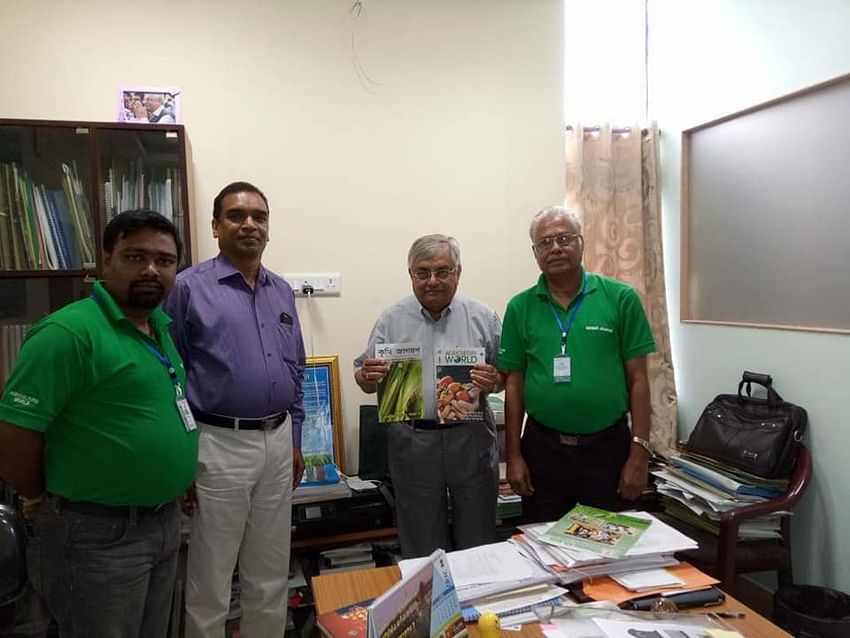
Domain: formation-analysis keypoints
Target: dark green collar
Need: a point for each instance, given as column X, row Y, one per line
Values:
column 158, row 319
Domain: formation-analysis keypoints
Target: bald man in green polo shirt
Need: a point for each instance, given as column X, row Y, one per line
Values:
column 574, row 347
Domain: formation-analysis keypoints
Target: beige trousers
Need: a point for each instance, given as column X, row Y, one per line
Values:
column 244, row 487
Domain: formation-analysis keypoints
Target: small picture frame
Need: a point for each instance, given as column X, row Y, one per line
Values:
column 149, row 105
column 322, row 434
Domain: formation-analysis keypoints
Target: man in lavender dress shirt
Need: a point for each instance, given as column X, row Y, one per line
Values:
column 236, row 328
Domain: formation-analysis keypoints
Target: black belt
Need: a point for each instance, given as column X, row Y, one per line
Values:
column 269, row 422
column 429, row 424
column 129, row 512
column 578, row 439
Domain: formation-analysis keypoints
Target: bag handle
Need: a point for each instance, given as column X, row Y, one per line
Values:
column 759, row 378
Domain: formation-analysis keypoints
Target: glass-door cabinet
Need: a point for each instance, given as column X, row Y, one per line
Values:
column 60, row 183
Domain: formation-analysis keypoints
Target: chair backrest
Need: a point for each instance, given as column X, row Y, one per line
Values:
column 13, row 571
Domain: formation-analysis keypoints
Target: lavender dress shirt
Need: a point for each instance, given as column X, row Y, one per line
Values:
column 242, row 348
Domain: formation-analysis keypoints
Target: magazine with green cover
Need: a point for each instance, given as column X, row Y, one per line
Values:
column 608, row 534
column 400, row 395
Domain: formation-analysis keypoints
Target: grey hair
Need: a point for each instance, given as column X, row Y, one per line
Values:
column 429, row 245
column 553, row 212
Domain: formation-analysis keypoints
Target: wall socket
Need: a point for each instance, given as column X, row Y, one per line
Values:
column 325, row 284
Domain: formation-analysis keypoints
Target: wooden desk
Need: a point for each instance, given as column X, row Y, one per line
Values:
column 338, row 590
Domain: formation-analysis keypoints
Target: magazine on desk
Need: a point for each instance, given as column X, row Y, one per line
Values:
column 605, row 533
column 458, row 398
column 423, row 604
column 400, row 391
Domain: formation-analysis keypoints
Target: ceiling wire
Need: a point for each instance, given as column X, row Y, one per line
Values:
column 357, row 10
column 646, row 60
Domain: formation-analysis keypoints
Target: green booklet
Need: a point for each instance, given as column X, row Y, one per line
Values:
column 400, row 391
column 602, row 532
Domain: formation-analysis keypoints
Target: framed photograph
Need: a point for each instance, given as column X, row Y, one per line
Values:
column 322, row 435
column 149, row 104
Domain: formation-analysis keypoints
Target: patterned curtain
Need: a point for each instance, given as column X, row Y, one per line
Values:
column 612, row 184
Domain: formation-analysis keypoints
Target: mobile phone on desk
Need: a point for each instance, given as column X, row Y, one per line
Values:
column 699, row 598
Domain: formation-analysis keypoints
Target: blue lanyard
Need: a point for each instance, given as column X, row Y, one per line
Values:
column 565, row 330
column 161, row 356
column 172, row 372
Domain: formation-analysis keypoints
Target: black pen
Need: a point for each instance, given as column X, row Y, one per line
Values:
column 726, row 614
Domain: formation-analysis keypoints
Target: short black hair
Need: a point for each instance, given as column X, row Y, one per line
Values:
column 132, row 221
column 235, row 187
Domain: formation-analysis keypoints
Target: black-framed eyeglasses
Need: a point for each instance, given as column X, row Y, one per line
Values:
column 563, row 240
column 423, row 274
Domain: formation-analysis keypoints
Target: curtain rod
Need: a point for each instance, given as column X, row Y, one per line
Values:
column 596, row 129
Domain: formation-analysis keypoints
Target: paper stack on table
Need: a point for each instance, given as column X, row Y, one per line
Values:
column 653, row 549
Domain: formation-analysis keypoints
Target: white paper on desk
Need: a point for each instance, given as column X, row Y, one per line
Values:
column 631, row 628
column 648, row 579
column 493, row 563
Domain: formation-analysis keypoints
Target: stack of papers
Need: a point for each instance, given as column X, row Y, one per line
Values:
column 648, row 580
column 315, row 493
column 623, row 587
column 498, row 578
column 654, row 549
column 345, row 559
column 698, row 494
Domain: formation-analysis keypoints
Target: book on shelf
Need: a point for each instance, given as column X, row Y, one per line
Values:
column 423, row 603
column 5, row 223
column 400, row 391
column 11, row 339
column 133, row 184
column 458, row 398
column 599, row 531
column 44, row 228
column 343, row 559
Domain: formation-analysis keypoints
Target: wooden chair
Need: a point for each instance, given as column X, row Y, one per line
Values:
column 725, row 557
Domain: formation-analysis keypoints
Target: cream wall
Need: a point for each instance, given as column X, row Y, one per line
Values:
column 713, row 57
column 418, row 117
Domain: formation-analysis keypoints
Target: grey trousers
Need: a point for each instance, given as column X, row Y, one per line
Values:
column 431, row 469
column 105, row 577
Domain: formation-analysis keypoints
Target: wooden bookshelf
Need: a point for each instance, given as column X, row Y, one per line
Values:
column 60, row 184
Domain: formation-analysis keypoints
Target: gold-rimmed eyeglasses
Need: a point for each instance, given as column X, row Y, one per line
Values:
column 563, row 240
column 423, row 274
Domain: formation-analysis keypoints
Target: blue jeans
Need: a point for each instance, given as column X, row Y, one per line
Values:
column 106, row 576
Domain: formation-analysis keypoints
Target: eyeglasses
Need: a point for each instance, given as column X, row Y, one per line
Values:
column 564, row 240
column 440, row 273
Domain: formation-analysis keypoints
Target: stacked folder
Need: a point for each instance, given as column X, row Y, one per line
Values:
column 698, row 491
column 654, row 549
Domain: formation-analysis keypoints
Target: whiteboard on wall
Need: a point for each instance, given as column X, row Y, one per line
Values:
column 766, row 214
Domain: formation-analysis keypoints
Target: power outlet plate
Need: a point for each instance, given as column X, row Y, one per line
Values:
column 325, row 284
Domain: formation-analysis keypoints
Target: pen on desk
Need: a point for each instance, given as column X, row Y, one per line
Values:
column 726, row 614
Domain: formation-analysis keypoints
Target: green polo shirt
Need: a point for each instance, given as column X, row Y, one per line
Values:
column 87, row 378
column 610, row 328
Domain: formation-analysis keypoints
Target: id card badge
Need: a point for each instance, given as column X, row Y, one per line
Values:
column 562, row 369
column 186, row 414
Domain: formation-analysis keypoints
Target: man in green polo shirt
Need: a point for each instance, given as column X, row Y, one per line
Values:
column 574, row 347
column 93, row 418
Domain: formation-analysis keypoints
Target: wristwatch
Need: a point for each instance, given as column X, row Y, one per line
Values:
column 643, row 443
